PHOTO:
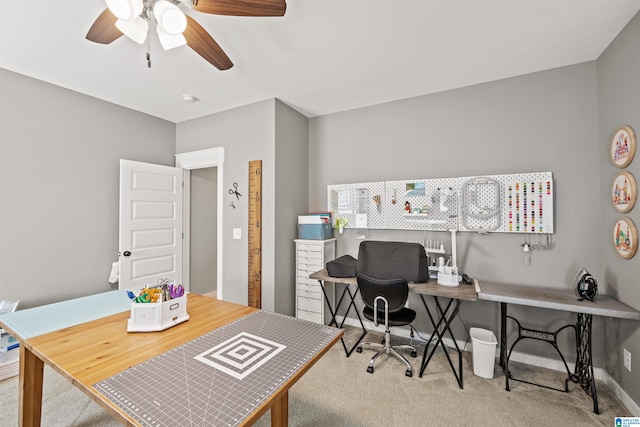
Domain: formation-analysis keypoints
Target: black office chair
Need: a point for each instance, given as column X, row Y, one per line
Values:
column 389, row 296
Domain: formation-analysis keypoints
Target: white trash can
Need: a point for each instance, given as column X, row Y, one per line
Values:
column 483, row 345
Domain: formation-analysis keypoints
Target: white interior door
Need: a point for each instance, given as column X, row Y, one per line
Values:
column 150, row 224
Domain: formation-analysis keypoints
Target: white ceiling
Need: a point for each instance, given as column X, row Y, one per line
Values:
column 323, row 56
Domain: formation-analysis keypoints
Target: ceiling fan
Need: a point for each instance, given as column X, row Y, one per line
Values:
column 174, row 27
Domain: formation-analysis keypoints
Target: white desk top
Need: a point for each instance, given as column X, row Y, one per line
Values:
column 556, row 299
column 25, row 324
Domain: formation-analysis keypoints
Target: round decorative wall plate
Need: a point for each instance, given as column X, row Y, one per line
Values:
column 623, row 146
column 625, row 238
column 624, row 192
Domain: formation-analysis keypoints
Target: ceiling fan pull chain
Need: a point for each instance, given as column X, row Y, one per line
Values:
column 149, row 44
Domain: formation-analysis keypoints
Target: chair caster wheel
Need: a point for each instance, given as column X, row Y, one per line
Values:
column 409, row 373
column 370, row 369
column 359, row 349
column 383, row 340
column 414, row 353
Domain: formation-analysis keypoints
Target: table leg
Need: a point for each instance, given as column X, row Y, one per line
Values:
column 504, row 364
column 583, row 372
column 503, row 334
column 333, row 312
column 333, row 320
column 446, row 321
column 280, row 411
column 31, row 376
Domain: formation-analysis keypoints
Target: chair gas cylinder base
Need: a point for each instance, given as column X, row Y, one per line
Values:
column 388, row 297
column 386, row 348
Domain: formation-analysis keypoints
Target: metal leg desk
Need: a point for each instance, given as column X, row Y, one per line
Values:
column 555, row 299
column 445, row 322
column 445, row 315
column 322, row 277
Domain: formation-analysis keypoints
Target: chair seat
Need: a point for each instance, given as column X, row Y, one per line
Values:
column 398, row 318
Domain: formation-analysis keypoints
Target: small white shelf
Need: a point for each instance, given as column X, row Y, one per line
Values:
column 423, row 217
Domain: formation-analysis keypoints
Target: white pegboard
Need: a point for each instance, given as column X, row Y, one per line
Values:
column 526, row 203
column 433, row 204
column 512, row 203
column 534, row 213
column 352, row 201
column 480, row 204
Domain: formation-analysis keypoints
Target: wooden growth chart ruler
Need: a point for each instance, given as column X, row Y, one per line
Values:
column 255, row 234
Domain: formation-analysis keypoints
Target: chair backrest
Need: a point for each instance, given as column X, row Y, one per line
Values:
column 395, row 291
column 391, row 260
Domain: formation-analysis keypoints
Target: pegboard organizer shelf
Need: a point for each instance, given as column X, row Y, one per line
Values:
column 158, row 316
column 424, row 217
column 512, row 203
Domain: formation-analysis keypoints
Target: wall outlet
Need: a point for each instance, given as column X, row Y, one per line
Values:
column 627, row 359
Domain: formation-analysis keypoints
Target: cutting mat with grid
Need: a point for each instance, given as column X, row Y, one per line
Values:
column 220, row 378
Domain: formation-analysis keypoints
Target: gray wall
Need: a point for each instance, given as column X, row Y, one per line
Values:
column 292, row 182
column 545, row 121
column 276, row 134
column 619, row 104
column 539, row 122
column 59, row 174
column 246, row 133
column 203, row 251
column 559, row 120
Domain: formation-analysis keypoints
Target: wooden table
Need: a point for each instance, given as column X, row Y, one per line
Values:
column 86, row 353
column 441, row 321
column 555, row 299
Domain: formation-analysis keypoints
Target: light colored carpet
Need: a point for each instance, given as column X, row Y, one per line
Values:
column 338, row 391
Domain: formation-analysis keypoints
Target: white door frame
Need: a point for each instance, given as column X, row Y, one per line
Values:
column 211, row 157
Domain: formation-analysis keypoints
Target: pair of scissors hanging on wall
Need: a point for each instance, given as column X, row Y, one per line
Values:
column 234, row 191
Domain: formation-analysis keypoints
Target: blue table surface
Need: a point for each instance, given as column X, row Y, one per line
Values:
column 36, row 321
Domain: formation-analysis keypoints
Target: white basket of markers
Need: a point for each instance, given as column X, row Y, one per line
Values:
column 157, row 308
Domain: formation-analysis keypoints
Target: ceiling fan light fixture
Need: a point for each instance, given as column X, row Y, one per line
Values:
column 136, row 29
column 125, row 9
column 170, row 17
column 170, row 41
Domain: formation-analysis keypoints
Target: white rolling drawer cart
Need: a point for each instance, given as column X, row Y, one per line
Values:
column 311, row 256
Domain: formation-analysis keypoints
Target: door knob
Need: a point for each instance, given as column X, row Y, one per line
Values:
column 126, row 253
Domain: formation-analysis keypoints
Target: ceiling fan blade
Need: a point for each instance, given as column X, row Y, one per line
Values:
column 104, row 29
column 241, row 7
column 204, row 45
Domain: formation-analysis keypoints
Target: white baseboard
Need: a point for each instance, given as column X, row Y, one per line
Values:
column 622, row 395
column 542, row 362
